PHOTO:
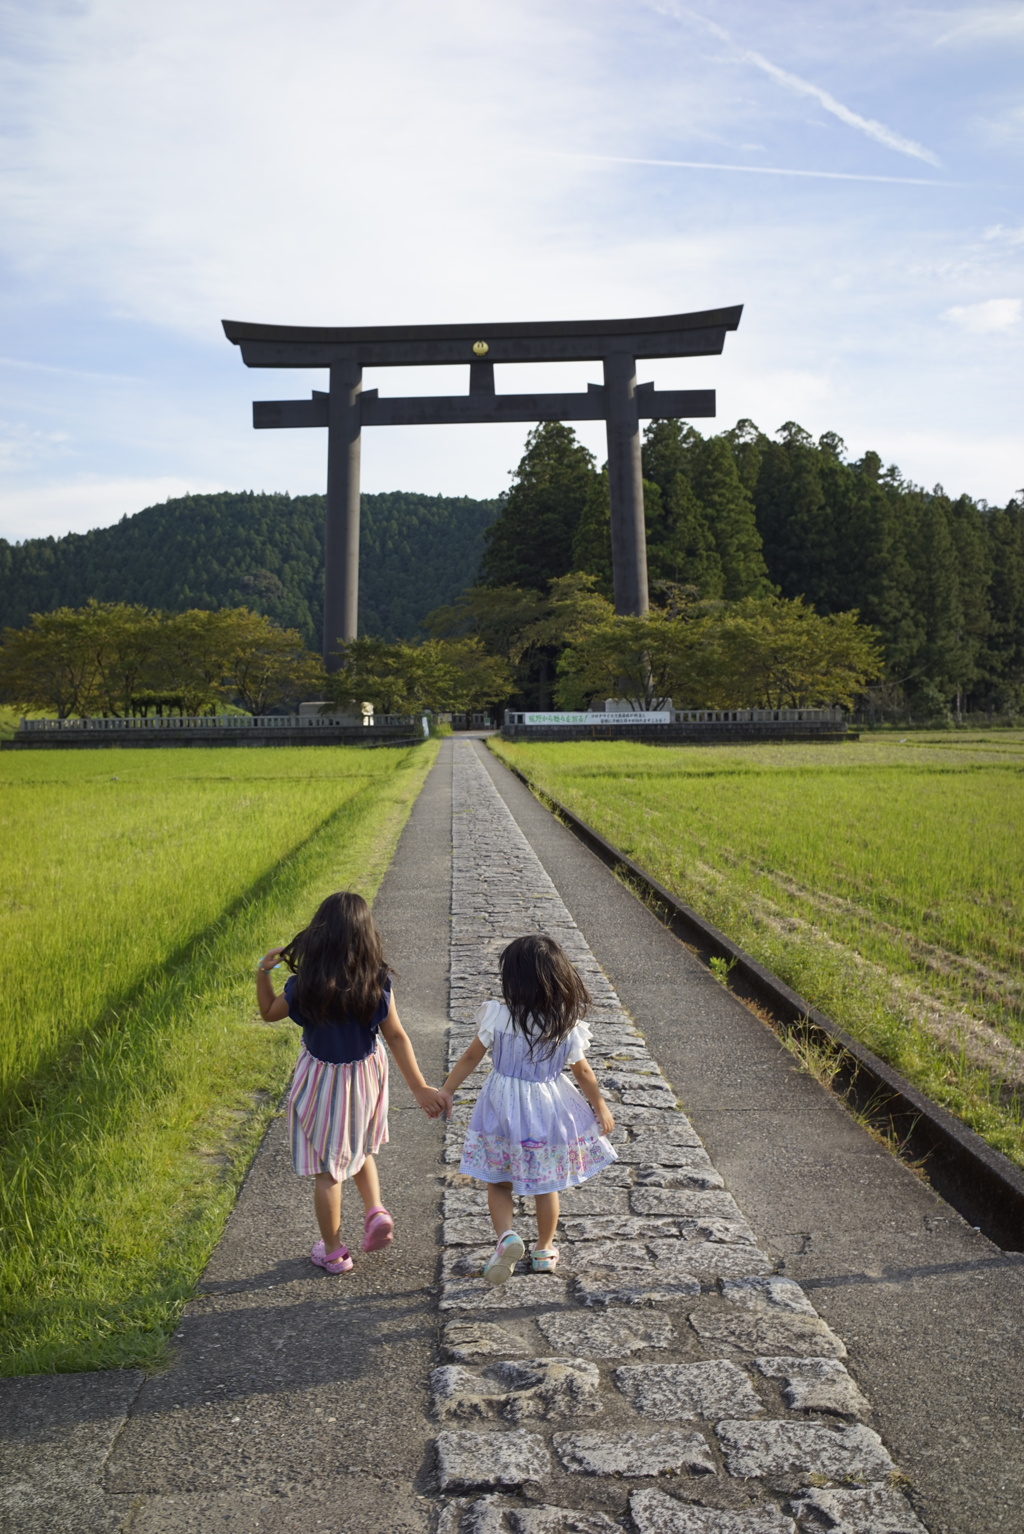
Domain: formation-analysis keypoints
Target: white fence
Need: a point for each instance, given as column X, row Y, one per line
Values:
column 225, row 722
column 626, row 718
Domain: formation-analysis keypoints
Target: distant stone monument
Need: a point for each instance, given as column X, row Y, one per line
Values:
column 346, row 408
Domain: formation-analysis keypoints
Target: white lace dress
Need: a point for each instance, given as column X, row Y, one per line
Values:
column 531, row 1126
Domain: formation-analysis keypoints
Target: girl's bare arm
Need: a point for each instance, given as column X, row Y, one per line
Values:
column 587, row 1083
column 433, row 1102
column 272, row 1007
column 464, row 1066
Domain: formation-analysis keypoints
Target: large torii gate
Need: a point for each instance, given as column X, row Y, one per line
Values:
column 346, row 408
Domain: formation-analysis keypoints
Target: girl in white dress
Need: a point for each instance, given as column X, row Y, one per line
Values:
column 531, row 1131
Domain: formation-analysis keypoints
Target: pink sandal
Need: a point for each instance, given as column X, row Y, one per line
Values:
column 379, row 1229
column 331, row 1262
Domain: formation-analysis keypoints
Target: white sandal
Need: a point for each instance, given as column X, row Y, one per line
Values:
column 499, row 1266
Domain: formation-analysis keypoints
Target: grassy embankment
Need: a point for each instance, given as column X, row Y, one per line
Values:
column 882, row 879
column 139, row 888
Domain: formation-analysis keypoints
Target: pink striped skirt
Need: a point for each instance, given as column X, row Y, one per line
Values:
column 337, row 1114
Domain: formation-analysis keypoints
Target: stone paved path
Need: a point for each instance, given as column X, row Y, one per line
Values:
column 665, row 1369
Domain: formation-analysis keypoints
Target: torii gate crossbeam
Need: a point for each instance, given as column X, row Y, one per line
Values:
column 346, row 408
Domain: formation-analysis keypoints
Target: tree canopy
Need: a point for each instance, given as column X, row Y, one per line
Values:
column 115, row 659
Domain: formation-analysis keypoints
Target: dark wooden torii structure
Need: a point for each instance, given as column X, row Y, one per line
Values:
column 346, row 408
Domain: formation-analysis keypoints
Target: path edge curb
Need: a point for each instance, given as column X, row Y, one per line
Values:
column 979, row 1182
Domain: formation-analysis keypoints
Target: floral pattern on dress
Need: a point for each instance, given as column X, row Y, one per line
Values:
column 533, row 1167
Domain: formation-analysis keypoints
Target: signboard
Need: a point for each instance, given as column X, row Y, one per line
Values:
column 598, row 719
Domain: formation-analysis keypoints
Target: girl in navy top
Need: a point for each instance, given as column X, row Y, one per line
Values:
column 340, row 996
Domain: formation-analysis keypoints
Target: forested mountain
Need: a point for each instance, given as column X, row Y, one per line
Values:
column 255, row 550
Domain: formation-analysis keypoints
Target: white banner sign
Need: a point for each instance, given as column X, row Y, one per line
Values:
column 598, row 719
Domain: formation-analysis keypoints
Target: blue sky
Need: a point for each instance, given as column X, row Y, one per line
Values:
column 851, row 172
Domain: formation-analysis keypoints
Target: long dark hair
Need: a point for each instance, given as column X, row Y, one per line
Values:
column 543, row 992
column 338, row 962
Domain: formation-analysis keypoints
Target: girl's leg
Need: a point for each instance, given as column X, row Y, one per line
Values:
column 327, row 1206
column 501, row 1264
column 499, row 1202
column 368, row 1183
column 547, row 1218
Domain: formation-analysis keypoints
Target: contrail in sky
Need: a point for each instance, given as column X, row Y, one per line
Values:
column 753, row 170
column 800, row 87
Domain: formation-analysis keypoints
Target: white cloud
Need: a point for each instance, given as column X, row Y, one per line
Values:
column 23, row 446
column 75, row 506
column 1005, row 236
column 324, row 160
column 997, row 24
column 983, row 464
column 994, row 314
column 1004, row 130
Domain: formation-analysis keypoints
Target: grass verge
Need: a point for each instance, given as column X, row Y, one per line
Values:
column 120, row 1166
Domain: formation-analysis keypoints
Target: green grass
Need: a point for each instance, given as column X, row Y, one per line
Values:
column 882, row 879
column 139, row 888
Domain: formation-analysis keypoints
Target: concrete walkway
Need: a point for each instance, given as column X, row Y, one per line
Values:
column 684, row 1344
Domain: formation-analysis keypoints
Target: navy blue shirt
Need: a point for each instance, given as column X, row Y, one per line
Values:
column 342, row 1040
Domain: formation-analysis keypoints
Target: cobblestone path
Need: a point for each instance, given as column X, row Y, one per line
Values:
column 664, row 1380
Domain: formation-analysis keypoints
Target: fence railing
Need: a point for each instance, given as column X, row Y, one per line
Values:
column 224, row 722
column 625, row 718
column 757, row 715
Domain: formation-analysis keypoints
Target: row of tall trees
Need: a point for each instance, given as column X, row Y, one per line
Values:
column 761, row 651
column 742, row 517
column 441, row 675
column 115, row 659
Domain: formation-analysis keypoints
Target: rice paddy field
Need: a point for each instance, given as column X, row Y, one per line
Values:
column 883, row 879
column 137, row 890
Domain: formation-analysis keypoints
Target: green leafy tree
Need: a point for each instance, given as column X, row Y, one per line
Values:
column 730, row 514
column 125, row 642
column 439, row 675
column 747, row 444
column 794, row 517
column 687, row 552
column 496, row 615
column 574, row 609
column 531, row 540
column 973, row 556
column 194, row 658
column 646, row 660
column 592, row 541
column 265, row 666
column 48, row 664
column 778, row 653
column 669, row 448
column 1004, row 656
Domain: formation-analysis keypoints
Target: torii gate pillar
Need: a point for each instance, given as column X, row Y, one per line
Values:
column 625, row 486
column 341, row 529
column 619, row 401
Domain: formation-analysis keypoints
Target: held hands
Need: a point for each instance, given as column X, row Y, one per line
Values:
column 434, row 1102
column 603, row 1115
